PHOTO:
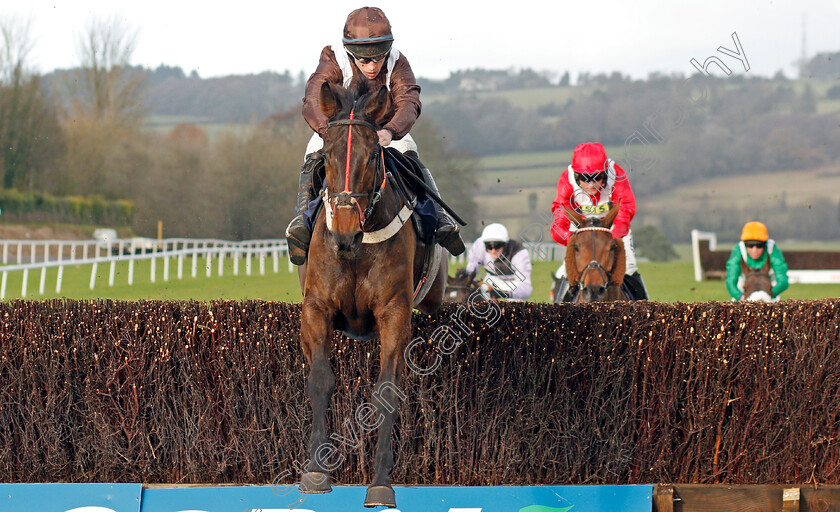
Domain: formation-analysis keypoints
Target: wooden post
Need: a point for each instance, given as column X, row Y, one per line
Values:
column 790, row 500
column 663, row 498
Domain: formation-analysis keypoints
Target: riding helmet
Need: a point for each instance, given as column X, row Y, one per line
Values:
column 589, row 158
column 754, row 231
column 495, row 233
column 367, row 33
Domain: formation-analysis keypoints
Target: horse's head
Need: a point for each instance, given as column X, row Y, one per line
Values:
column 757, row 282
column 594, row 259
column 461, row 286
column 355, row 175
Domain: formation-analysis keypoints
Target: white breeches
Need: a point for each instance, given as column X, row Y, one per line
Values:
column 405, row 144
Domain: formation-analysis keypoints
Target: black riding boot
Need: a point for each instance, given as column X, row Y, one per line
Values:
column 635, row 282
column 298, row 234
column 447, row 233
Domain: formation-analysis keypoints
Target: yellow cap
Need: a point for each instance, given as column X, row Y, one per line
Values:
column 754, row 231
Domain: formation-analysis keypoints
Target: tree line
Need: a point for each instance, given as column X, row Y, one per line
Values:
column 81, row 132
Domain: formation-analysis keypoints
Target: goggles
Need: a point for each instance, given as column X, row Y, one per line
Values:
column 591, row 178
column 494, row 246
column 368, row 60
column 752, row 244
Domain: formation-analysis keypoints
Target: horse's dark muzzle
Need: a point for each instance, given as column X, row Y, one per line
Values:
column 347, row 244
column 594, row 293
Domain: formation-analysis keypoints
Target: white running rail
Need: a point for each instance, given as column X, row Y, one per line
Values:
column 98, row 253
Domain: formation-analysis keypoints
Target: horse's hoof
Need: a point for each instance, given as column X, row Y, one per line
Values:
column 315, row 483
column 380, row 496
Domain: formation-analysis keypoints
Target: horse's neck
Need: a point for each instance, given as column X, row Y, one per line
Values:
column 385, row 210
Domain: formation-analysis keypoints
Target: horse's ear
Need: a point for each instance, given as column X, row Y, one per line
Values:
column 571, row 265
column 329, row 101
column 377, row 108
column 620, row 263
column 610, row 216
column 576, row 218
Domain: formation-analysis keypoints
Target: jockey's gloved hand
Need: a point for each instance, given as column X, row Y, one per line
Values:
column 461, row 273
column 486, row 290
column 499, row 294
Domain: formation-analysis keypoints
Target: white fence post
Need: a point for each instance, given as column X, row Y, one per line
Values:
column 58, row 279
column 93, row 275
column 43, row 280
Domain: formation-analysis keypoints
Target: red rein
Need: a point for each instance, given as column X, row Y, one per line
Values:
column 349, row 145
column 347, row 171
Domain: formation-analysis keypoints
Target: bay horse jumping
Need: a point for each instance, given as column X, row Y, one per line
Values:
column 362, row 277
column 757, row 283
column 594, row 259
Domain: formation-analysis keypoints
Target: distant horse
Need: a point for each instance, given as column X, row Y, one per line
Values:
column 362, row 277
column 460, row 287
column 757, row 282
column 594, row 259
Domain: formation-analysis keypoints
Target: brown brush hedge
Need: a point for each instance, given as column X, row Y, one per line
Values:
column 188, row 392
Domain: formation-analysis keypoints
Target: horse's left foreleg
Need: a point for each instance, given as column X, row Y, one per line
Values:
column 320, row 385
column 395, row 328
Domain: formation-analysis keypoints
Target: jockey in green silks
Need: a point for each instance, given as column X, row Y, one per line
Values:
column 754, row 249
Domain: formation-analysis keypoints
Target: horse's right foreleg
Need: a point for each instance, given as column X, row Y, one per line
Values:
column 314, row 334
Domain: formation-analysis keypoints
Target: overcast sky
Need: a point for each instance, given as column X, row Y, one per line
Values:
column 438, row 37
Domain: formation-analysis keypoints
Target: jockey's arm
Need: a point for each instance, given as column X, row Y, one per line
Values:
column 627, row 208
column 328, row 70
column 560, row 224
column 521, row 262
column 733, row 272
column 474, row 257
column 780, row 268
column 406, row 96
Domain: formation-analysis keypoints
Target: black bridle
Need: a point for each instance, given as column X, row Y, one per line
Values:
column 346, row 197
column 606, row 275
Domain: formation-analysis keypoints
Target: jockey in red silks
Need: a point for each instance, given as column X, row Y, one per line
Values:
column 591, row 185
column 365, row 52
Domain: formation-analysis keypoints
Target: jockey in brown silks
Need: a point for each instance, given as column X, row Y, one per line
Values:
column 366, row 52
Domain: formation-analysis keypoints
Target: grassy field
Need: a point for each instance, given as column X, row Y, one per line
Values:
column 667, row 282
column 282, row 286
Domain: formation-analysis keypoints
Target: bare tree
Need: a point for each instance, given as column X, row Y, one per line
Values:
column 29, row 132
column 105, row 107
column 106, row 86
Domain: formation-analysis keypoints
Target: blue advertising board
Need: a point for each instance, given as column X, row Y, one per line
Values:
column 70, row 497
column 627, row 498
column 134, row 498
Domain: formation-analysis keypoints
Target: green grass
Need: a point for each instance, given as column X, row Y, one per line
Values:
column 282, row 286
column 674, row 282
column 666, row 282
